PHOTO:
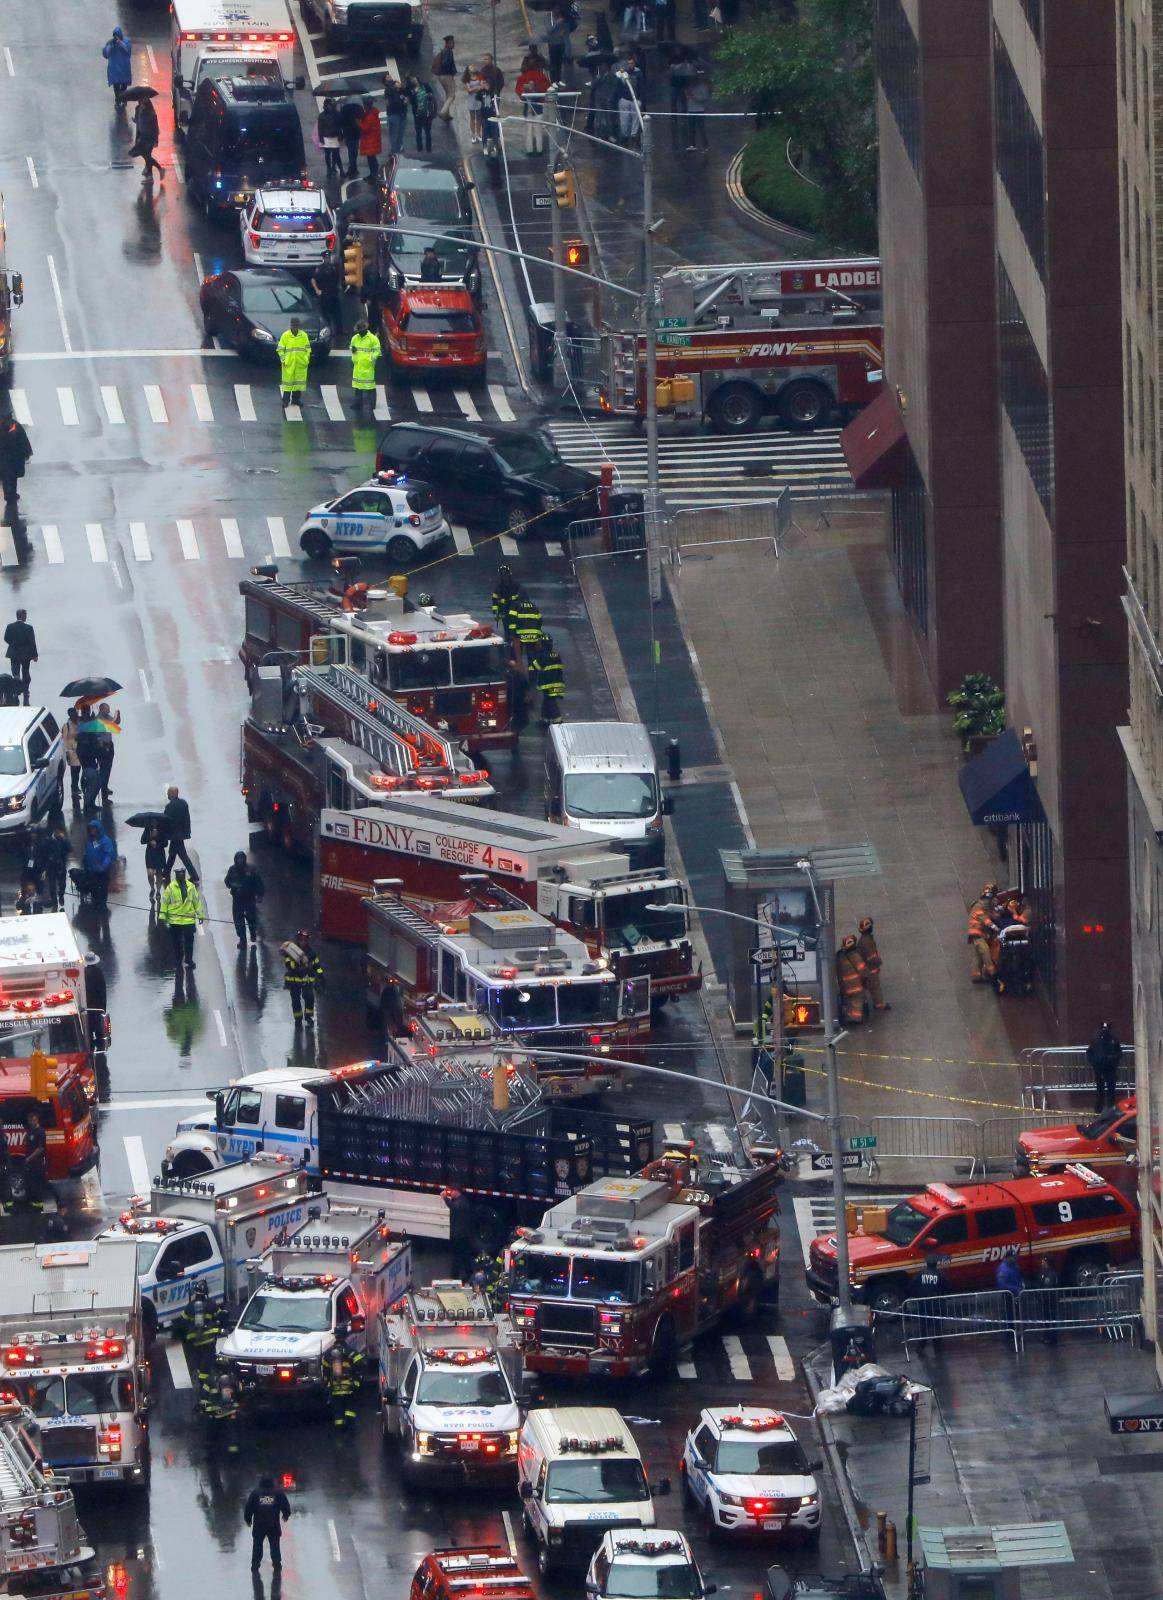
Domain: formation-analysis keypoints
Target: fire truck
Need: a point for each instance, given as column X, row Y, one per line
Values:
column 442, row 853
column 533, row 981
column 736, row 343
column 11, row 294
column 52, row 999
column 624, row 1273
column 43, row 1548
column 325, row 737
column 443, row 666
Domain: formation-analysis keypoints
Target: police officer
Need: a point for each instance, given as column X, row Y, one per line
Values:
column 343, row 1380
column 365, row 352
column 548, row 673
column 181, row 908
column 34, row 1163
column 265, row 1506
column 931, row 1282
column 303, row 970
column 506, row 587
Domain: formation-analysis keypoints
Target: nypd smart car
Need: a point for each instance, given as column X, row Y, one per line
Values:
column 644, row 1562
column 391, row 514
column 748, row 1472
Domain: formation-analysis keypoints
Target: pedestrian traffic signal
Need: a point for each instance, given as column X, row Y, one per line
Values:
column 801, row 1014
column 353, row 265
column 563, row 189
column 577, row 254
column 42, row 1075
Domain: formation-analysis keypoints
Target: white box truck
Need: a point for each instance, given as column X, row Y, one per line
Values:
column 228, row 39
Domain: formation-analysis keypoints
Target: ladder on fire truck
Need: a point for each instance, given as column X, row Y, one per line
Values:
column 394, row 736
column 762, row 287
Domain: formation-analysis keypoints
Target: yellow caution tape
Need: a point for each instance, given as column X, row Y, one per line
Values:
column 513, row 532
column 924, row 1094
column 871, row 1055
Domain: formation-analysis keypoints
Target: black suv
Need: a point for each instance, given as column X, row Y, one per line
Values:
column 244, row 134
column 493, row 473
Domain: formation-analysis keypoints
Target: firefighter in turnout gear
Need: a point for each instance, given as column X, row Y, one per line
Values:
column 343, row 1378
column 200, row 1323
column 507, row 587
column 850, row 976
column 870, row 955
column 980, row 935
column 219, row 1408
column 303, row 970
column 523, row 621
column 548, row 673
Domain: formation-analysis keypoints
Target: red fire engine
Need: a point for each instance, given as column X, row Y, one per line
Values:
column 800, row 339
column 11, row 294
column 621, row 1275
column 445, row 667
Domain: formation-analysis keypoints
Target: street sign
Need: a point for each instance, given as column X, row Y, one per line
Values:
column 763, row 956
column 541, row 202
column 674, row 338
column 672, row 322
column 862, row 1141
column 822, row 1160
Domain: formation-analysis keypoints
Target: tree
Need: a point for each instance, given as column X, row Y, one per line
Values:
column 813, row 76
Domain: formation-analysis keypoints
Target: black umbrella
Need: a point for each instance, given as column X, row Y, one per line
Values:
column 141, row 92
column 89, row 688
column 146, row 819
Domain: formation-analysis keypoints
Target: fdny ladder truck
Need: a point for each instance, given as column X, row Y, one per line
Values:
column 326, row 737
column 800, row 339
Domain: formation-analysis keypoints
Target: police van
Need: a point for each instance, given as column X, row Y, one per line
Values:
column 603, row 777
column 579, row 1474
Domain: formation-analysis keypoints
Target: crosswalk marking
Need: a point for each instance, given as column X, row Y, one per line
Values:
column 720, row 1139
column 382, row 412
column 203, row 410
column 552, row 548
column 785, row 1367
column 140, row 541
column 52, row 545
column 501, row 403
column 96, row 537
column 460, row 538
column 20, row 408
column 509, row 546
column 156, row 404
column 673, row 1132
column 245, row 402
column 687, row 1369
column 465, row 401
column 278, row 532
column 111, row 400
column 189, row 541
column 293, row 413
column 179, row 1367
column 67, row 401
column 422, row 398
column 331, row 402
column 737, row 1356
column 231, row 537
column 8, row 556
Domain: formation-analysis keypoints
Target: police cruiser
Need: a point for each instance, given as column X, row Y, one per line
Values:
column 646, row 1561
column 391, row 514
column 289, row 225
column 747, row 1470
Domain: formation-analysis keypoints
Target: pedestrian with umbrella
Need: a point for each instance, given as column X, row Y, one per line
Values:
column 102, row 727
column 154, row 840
column 69, row 731
column 15, row 452
column 294, row 358
column 118, row 53
column 147, row 132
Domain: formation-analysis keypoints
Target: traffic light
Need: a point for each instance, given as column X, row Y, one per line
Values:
column 42, row 1075
column 563, row 189
column 801, row 1014
column 577, row 254
column 353, row 265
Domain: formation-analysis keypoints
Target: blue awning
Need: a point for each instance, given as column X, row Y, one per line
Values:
column 997, row 785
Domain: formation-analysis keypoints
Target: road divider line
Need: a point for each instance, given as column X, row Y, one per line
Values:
column 151, row 58
column 8, row 62
column 143, row 679
column 198, row 268
column 333, row 1536
column 382, row 411
column 96, row 537
column 686, row 1369
column 52, row 544
column 221, row 1026
column 136, row 1162
column 422, row 398
column 740, row 1366
column 278, row 533
column 60, row 302
column 465, row 401
column 140, row 541
column 32, row 177
column 501, row 403
column 67, row 401
column 245, row 402
column 20, row 407
column 552, row 548
column 509, row 545
column 510, row 1538
column 460, row 538
column 331, row 401
column 155, row 400
column 785, row 1367
column 203, row 410
column 179, row 1371
column 111, row 400
column 8, row 556
column 230, row 537
column 189, row 541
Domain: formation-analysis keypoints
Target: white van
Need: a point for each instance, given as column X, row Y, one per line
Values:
column 579, row 1474
column 603, row 777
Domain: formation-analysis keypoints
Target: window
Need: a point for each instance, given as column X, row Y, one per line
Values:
column 704, row 1442
column 686, row 1248
column 37, row 745
column 443, row 456
column 1123, row 48
column 258, row 621
column 1025, row 392
column 249, row 1106
column 1126, row 217
column 1142, row 401
column 898, row 72
column 1020, row 157
column 184, row 1254
column 290, row 1111
column 996, row 1222
column 1153, row 429
column 1129, row 369
column 448, row 966
column 1078, row 1208
column 910, row 549
column 1138, row 553
column 948, row 1230
column 1134, row 75
column 50, row 725
column 408, row 1387
column 1033, row 10
column 477, row 459
column 1138, row 241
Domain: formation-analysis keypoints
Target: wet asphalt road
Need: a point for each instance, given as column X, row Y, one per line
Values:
column 150, row 492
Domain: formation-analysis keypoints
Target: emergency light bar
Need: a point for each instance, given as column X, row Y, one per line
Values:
column 612, row 1441
column 754, row 1424
column 639, row 1547
column 1090, row 1178
column 942, row 1191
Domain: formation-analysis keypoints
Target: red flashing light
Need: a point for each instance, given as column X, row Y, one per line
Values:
column 331, row 241
column 468, row 778
column 506, row 972
column 255, row 239
column 287, row 1481
column 60, row 998
column 1093, row 927
column 487, row 702
column 286, row 1374
column 595, row 1038
column 26, row 1005
column 19, row 1355
column 261, row 1192
column 401, row 638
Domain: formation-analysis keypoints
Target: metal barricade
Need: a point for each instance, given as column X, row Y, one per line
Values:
column 1064, row 1070
column 958, row 1316
column 927, row 1139
column 855, row 1127
column 742, row 522
column 1110, row 1306
column 998, row 1136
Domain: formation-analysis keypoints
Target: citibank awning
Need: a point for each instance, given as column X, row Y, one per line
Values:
column 997, row 785
column 875, row 444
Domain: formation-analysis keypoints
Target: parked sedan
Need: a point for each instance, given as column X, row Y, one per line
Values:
column 251, row 307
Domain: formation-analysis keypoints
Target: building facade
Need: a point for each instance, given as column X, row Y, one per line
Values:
column 1019, row 190
column 1139, row 36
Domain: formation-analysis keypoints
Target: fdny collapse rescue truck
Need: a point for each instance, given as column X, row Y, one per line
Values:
column 450, row 1384
column 624, row 1273
column 417, row 1137
column 322, row 737
column 443, row 666
column 205, row 1230
column 327, row 1283
column 800, row 339
column 73, row 1353
column 43, row 1548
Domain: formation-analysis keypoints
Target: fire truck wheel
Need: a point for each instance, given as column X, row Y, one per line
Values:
column 887, row 1296
column 804, row 405
column 1086, row 1267
column 750, row 1297
column 189, row 1164
column 736, row 408
column 662, row 1348
column 314, row 544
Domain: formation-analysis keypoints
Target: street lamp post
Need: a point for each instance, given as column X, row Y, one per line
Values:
column 553, row 149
